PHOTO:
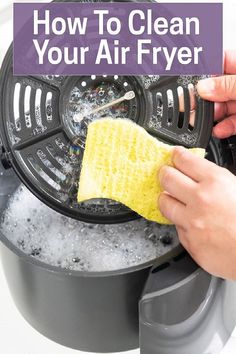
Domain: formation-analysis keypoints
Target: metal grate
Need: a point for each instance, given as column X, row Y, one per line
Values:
column 46, row 144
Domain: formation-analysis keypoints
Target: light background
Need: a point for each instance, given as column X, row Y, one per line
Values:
column 16, row 336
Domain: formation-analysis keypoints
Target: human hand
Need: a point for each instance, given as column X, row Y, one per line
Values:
column 222, row 90
column 200, row 199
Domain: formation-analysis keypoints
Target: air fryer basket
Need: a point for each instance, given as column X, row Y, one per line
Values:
column 91, row 311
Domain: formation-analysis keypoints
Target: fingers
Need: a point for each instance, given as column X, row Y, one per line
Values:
column 222, row 90
column 224, row 109
column 177, row 184
column 172, row 209
column 192, row 165
column 219, row 89
column 230, row 62
column 226, row 128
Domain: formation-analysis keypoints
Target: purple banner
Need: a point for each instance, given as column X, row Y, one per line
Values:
column 117, row 38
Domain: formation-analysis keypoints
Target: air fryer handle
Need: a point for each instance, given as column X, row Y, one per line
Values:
column 174, row 292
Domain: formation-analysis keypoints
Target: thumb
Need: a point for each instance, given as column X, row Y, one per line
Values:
column 219, row 89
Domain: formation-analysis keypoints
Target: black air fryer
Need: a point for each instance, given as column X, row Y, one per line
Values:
column 166, row 305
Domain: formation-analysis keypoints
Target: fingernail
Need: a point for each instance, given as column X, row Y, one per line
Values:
column 206, row 86
column 179, row 149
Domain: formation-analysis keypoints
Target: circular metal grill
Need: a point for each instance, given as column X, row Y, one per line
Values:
column 46, row 145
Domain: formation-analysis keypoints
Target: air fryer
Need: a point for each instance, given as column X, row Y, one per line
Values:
column 43, row 143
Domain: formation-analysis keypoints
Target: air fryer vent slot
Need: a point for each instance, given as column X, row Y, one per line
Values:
column 44, row 175
column 16, row 108
column 180, row 92
column 170, row 100
column 49, row 165
column 27, row 107
column 48, row 106
column 38, row 115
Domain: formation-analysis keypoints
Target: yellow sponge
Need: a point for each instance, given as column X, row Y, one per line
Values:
column 121, row 162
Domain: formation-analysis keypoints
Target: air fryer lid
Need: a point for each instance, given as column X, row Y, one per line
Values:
column 45, row 144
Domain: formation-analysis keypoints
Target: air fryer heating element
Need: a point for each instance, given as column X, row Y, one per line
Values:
column 44, row 139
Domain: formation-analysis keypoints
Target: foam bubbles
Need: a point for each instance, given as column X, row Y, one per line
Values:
column 57, row 240
column 82, row 103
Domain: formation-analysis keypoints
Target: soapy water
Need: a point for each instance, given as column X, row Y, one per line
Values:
column 54, row 239
column 82, row 102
